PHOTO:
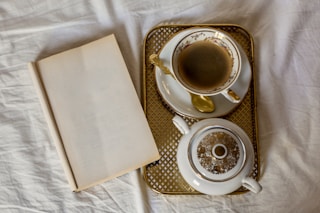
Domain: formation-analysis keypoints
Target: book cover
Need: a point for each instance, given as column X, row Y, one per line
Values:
column 93, row 113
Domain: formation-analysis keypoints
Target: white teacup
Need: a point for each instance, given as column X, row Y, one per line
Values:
column 207, row 62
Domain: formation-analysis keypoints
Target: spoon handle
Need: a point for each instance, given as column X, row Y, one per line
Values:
column 155, row 60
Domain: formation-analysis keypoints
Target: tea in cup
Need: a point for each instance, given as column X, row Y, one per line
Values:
column 207, row 62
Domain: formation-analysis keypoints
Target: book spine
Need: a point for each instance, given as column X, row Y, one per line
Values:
column 54, row 131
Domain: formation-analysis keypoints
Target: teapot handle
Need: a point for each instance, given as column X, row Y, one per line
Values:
column 251, row 184
column 181, row 125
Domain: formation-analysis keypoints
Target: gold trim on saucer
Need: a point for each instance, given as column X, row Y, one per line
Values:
column 163, row 176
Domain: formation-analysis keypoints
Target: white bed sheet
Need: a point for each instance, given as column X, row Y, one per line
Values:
column 287, row 52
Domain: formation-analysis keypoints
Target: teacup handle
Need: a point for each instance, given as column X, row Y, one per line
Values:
column 231, row 96
column 251, row 184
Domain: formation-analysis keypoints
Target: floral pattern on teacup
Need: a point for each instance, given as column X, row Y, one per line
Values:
column 219, row 39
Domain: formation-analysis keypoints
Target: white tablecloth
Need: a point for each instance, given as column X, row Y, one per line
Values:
column 287, row 53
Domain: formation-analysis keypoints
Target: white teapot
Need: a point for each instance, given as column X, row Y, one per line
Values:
column 215, row 156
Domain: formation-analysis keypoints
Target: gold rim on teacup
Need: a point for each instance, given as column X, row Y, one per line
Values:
column 221, row 40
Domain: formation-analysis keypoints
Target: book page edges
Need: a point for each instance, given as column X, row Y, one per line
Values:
column 53, row 129
column 123, row 172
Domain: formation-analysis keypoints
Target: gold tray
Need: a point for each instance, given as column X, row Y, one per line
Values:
column 163, row 176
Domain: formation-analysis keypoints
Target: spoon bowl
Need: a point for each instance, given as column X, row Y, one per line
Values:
column 202, row 103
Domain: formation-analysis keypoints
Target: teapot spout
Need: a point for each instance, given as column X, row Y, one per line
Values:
column 181, row 124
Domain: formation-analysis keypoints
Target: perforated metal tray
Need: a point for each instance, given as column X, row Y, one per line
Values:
column 163, row 176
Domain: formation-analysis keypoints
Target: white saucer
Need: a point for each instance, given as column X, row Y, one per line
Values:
column 179, row 99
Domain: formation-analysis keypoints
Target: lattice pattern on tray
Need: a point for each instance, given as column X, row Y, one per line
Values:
column 163, row 176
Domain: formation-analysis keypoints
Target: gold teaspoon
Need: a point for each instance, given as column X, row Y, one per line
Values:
column 200, row 102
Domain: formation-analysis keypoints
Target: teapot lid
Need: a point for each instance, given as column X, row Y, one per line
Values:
column 216, row 153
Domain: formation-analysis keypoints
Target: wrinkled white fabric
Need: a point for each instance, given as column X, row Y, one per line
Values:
column 287, row 52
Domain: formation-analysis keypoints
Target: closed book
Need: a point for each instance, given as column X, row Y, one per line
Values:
column 93, row 113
